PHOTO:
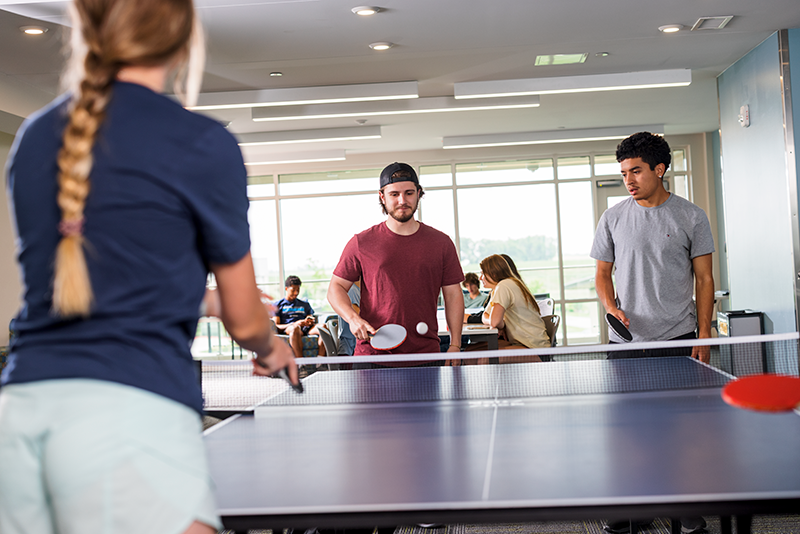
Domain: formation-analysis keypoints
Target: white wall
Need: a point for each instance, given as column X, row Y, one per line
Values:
column 754, row 178
column 10, row 288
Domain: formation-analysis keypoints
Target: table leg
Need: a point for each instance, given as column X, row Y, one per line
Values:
column 674, row 525
column 492, row 341
column 634, row 526
column 725, row 525
column 743, row 524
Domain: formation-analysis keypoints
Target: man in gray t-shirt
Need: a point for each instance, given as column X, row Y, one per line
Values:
column 659, row 243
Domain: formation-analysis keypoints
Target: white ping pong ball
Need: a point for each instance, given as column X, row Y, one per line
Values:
column 422, row 328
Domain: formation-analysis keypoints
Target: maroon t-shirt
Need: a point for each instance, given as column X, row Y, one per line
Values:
column 401, row 278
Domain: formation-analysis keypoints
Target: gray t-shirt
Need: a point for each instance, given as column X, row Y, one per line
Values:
column 652, row 250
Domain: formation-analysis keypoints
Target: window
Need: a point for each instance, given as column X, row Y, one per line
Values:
column 318, row 183
column 577, row 234
column 315, row 231
column 541, row 212
column 262, row 217
column 606, row 165
column 437, row 210
column 518, row 220
column 680, row 174
column 569, row 168
column 504, row 172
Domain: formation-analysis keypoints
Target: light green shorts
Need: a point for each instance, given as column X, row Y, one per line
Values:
column 97, row 457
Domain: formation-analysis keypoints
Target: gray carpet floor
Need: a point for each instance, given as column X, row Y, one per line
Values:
column 774, row 524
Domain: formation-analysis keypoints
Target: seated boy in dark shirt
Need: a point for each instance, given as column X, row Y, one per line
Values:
column 295, row 317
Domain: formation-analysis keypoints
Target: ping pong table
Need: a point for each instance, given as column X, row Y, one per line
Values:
column 504, row 443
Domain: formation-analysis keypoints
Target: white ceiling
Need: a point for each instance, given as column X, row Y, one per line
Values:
column 438, row 43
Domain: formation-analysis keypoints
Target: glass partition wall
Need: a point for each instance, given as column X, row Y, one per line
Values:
column 541, row 212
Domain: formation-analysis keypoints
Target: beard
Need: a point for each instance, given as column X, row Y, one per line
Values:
column 403, row 216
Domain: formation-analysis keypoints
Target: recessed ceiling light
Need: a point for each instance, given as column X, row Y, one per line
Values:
column 33, row 30
column 670, row 28
column 383, row 45
column 602, row 54
column 560, row 59
column 276, row 74
column 365, row 11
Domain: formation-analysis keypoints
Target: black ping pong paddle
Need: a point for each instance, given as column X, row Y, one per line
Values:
column 618, row 328
column 283, row 373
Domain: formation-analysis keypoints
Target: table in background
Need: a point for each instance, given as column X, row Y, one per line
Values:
column 475, row 333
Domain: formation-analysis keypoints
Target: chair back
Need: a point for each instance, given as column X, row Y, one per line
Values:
column 551, row 323
column 328, row 341
column 332, row 322
column 545, row 306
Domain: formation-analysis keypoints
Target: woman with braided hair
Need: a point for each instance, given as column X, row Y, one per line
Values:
column 123, row 202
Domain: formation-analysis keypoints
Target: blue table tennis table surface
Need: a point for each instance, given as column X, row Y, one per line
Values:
column 504, row 443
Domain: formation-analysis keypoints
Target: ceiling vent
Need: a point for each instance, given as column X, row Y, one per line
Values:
column 711, row 23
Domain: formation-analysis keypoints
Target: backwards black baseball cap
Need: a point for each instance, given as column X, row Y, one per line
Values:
column 387, row 174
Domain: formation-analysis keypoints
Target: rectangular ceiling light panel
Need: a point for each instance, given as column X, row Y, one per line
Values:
column 309, row 136
column 438, row 104
column 546, row 137
column 574, row 84
column 295, row 157
column 293, row 96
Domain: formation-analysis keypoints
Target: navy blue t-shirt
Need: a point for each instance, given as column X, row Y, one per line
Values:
column 292, row 311
column 168, row 196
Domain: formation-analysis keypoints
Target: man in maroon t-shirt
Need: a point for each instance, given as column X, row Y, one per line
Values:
column 402, row 264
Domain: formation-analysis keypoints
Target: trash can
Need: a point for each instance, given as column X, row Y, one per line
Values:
column 742, row 359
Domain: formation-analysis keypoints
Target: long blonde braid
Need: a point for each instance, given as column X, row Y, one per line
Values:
column 72, row 289
column 108, row 35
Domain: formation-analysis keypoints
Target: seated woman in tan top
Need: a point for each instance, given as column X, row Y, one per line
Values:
column 512, row 308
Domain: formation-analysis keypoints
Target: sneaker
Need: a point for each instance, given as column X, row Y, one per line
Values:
column 693, row 525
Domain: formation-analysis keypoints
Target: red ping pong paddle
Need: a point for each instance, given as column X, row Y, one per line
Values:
column 618, row 328
column 388, row 337
column 763, row 393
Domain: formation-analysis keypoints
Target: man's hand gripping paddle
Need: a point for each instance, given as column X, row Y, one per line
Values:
column 618, row 328
column 388, row 337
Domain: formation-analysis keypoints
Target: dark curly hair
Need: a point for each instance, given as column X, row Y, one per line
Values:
column 471, row 278
column 653, row 149
column 292, row 280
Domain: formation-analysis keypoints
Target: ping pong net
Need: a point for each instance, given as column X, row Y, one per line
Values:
column 481, row 376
